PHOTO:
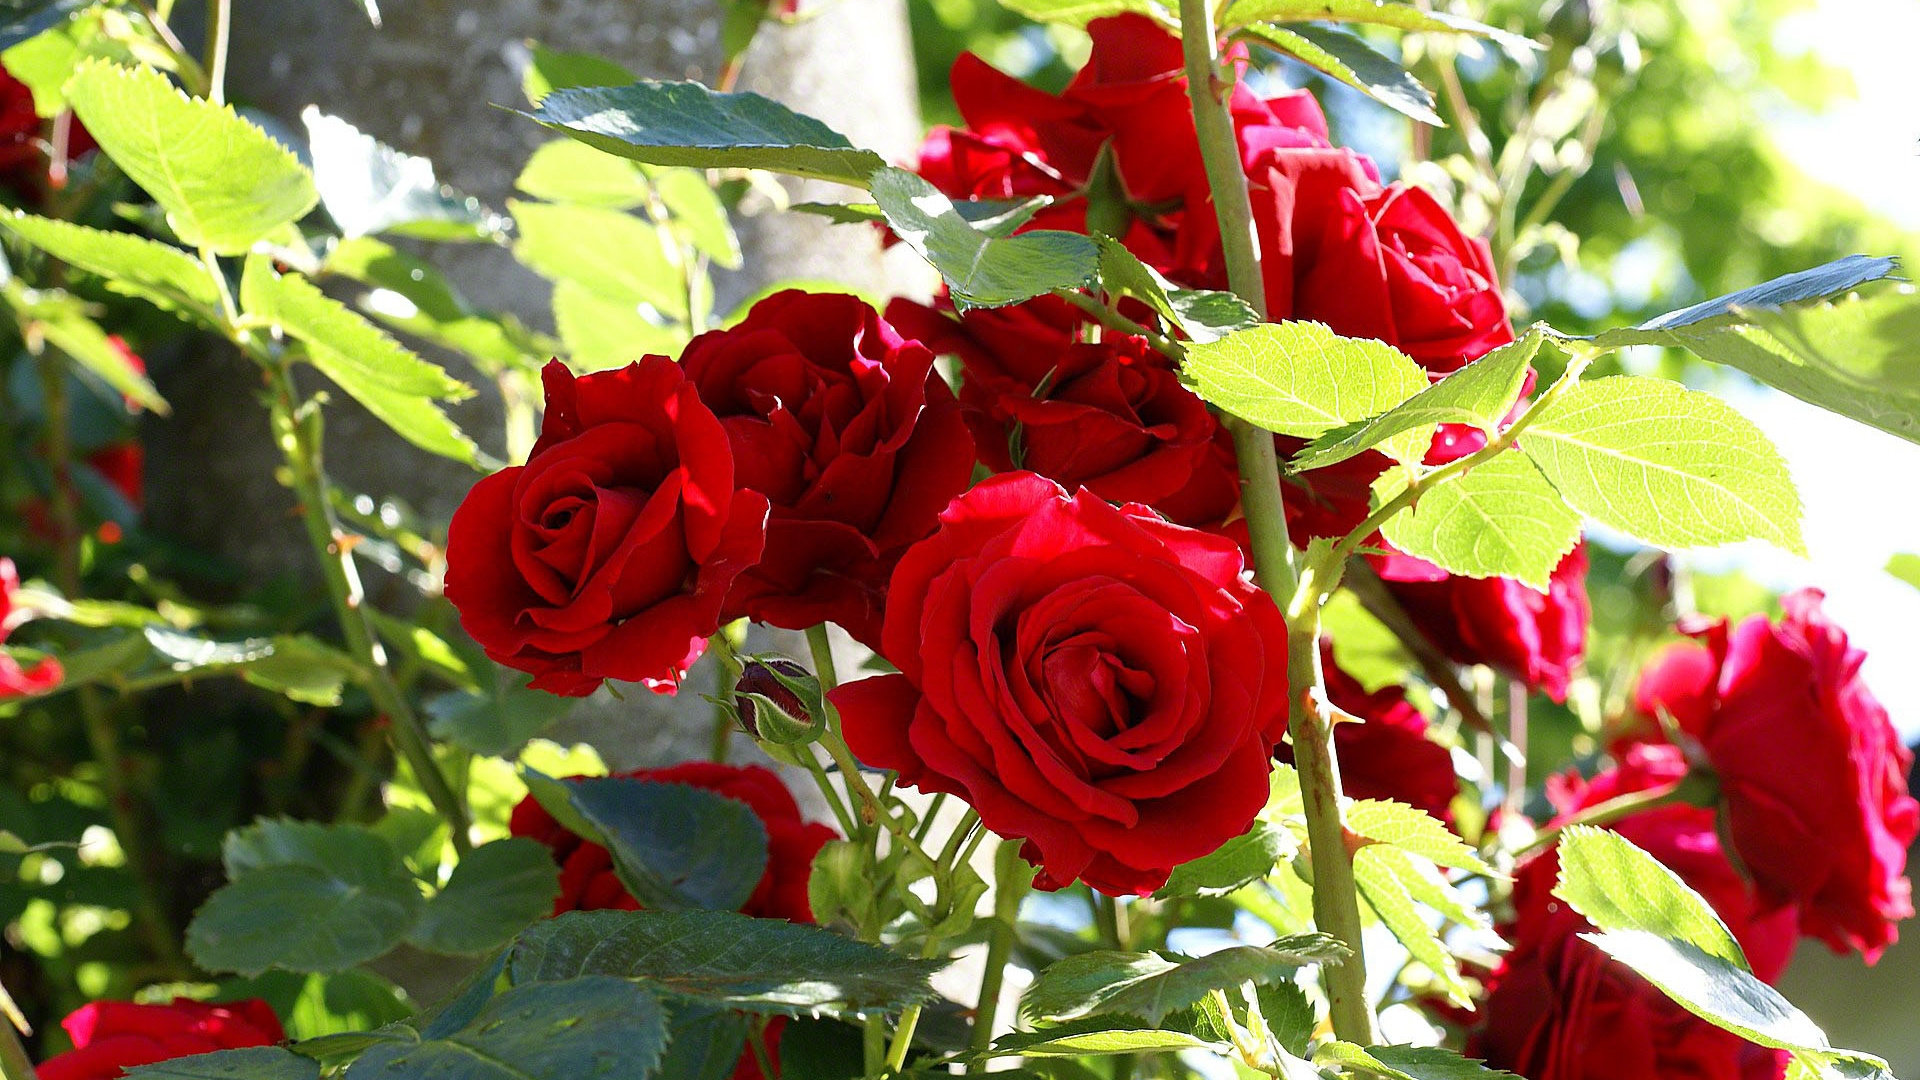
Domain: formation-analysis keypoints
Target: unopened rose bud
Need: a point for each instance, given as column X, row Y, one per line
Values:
column 777, row 701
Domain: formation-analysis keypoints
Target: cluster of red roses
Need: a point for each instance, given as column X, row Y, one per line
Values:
column 1809, row 836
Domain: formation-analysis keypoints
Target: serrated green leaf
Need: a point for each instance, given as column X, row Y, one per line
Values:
column 551, row 69
column 62, row 321
column 497, row 723
column 981, row 270
column 704, row 1043
column 1082, row 12
column 496, row 891
column 1380, row 886
column 615, row 256
column 1044, row 1044
column 1617, row 886
column 223, row 182
column 306, row 918
column 572, row 172
column 131, row 265
column 696, row 207
column 1377, row 12
column 1288, row 1014
column 24, row 19
column 674, row 845
column 594, row 1026
column 1204, row 315
column 1150, row 986
column 1426, row 886
column 248, row 1063
column 997, row 217
column 685, row 123
column 1354, row 62
column 1241, row 860
column 369, row 187
column 1407, row 1062
column 1412, row 830
column 409, row 294
column 1500, row 518
column 1478, row 395
column 600, row 335
column 390, row 380
column 721, row 958
column 1300, row 378
column 1664, row 464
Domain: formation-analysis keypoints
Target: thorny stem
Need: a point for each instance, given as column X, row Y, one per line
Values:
column 1335, row 899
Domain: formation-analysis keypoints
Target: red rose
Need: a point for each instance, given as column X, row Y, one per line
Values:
column 16, row 681
column 109, row 1036
column 1563, row 1010
column 1372, row 261
column 1111, row 417
column 609, row 553
column 1813, row 778
column 1095, row 681
column 1388, row 755
column 847, row 430
column 1537, row 638
column 587, row 879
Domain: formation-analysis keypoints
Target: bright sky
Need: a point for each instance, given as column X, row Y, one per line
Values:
column 1858, row 484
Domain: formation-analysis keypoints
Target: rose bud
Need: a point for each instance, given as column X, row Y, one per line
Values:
column 776, row 701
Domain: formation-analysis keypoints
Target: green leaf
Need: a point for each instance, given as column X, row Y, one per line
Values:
column 497, row 723
column 369, row 187
column 1203, row 314
column 1150, row 986
column 999, row 217
column 223, row 182
column 598, row 334
column 617, row 257
column 131, row 265
column 684, row 123
column 1480, row 395
column 722, row 958
column 552, row 70
column 303, row 916
column 1406, row 1062
column 45, row 60
column 1363, row 646
column 1426, row 886
column 23, row 19
column 1380, row 886
column 1500, row 518
column 1300, row 378
column 1805, row 335
column 388, row 379
column 1082, row 12
column 297, row 666
column 703, row 1043
column 1237, row 862
column 1354, row 62
column 1906, row 567
column 696, row 207
column 1412, row 830
column 249, row 1063
column 573, row 172
column 981, row 270
column 594, row 1026
column 1044, row 1043
column 409, row 294
column 62, row 321
column 674, row 845
column 498, row 890
column 1617, row 886
column 1670, row 466
column 1376, row 12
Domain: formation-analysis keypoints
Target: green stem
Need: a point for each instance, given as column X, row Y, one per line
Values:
column 219, row 31
column 726, row 668
column 903, row 1038
column 1012, row 881
column 873, row 1034
column 300, row 444
column 14, row 1062
column 1113, row 320
column 822, row 649
column 757, row 1039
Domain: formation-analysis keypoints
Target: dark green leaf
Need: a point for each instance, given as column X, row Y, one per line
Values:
column 223, row 182
column 684, row 123
column 996, row 217
column 498, row 723
column 286, row 842
column 552, row 70
column 703, row 1043
column 980, row 269
column 251, row 1063
column 1355, row 63
column 820, row 1050
column 369, row 187
column 128, row 264
column 495, row 892
column 1237, row 862
column 1204, row 315
column 1479, row 394
column 1047, row 1043
column 304, row 918
column 1150, row 986
column 722, row 958
column 459, row 1008
column 675, row 845
column 593, row 1026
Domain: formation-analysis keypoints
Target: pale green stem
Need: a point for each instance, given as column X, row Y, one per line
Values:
column 1012, row 881
column 219, row 31
column 14, row 1062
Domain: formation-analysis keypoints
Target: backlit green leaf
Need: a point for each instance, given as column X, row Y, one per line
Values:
column 1500, row 518
column 369, row 187
column 1300, row 378
column 1082, row 12
column 1243, row 859
column 1413, row 830
column 1150, row 986
column 1376, row 12
column 573, row 172
column 616, row 257
column 1380, row 886
column 158, row 273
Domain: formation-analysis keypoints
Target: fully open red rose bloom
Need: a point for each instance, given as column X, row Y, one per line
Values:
column 610, row 553
column 1094, row 680
column 1813, row 777
column 109, row 1036
column 847, row 430
column 587, row 878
